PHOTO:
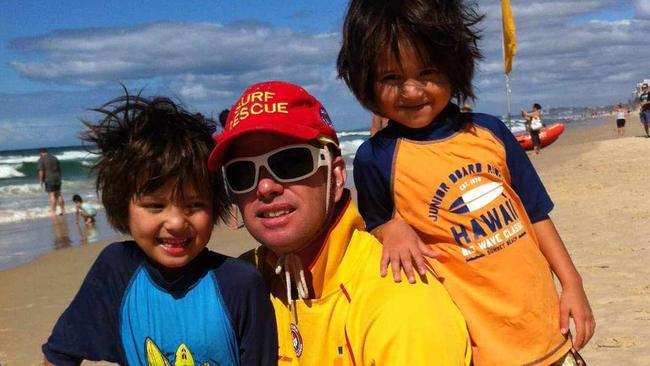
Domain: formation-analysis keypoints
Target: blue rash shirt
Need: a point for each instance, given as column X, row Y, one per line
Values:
column 217, row 313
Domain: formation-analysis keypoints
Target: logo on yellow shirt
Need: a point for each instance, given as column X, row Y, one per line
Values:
column 296, row 339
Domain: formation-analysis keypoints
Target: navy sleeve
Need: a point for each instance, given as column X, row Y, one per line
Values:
column 372, row 179
column 250, row 310
column 524, row 178
column 89, row 328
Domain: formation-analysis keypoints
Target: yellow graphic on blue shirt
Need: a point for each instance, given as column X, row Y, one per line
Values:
column 155, row 357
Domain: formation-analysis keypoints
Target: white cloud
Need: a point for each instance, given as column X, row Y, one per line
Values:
column 642, row 8
column 567, row 54
column 570, row 53
column 167, row 48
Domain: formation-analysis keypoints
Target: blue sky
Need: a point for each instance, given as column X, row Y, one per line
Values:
column 59, row 58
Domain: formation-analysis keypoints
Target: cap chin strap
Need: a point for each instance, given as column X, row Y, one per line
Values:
column 328, row 158
column 291, row 264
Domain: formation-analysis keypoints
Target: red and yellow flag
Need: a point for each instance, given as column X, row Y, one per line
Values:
column 509, row 36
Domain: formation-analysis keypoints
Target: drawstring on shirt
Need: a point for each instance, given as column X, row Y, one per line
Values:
column 293, row 268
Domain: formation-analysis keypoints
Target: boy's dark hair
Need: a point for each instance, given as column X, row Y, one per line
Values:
column 223, row 116
column 77, row 198
column 537, row 106
column 441, row 31
column 144, row 144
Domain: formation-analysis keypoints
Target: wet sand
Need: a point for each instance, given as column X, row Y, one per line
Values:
column 598, row 184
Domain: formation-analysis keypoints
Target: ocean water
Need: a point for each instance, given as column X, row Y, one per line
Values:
column 26, row 228
column 21, row 196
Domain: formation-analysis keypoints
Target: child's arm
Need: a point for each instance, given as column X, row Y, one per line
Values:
column 402, row 245
column 573, row 300
column 403, row 249
column 89, row 328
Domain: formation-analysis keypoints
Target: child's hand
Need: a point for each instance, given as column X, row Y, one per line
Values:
column 574, row 304
column 403, row 249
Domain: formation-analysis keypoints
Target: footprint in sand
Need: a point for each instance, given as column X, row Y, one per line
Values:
column 616, row 342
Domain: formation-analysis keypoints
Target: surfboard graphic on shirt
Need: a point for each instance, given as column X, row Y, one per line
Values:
column 476, row 198
column 156, row 358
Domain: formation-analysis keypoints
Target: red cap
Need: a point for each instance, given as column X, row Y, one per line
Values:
column 273, row 106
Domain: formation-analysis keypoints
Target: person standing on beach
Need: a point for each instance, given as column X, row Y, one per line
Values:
column 621, row 113
column 223, row 116
column 284, row 166
column 534, row 125
column 162, row 298
column 457, row 186
column 644, row 108
column 49, row 175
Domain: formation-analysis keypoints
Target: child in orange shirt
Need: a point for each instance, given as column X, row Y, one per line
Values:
column 457, row 183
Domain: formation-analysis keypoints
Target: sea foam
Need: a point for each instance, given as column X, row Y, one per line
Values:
column 10, row 171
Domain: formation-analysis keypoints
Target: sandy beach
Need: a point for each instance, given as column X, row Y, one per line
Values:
column 596, row 179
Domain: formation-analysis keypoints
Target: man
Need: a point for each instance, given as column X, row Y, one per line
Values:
column 49, row 174
column 644, row 111
column 282, row 162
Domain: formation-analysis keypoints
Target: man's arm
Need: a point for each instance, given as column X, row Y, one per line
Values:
column 88, row 328
column 41, row 176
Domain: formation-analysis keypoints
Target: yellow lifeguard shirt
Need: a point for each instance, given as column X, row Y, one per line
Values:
column 468, row 189
column 356, row 317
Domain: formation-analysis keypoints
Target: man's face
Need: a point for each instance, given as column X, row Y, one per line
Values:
column 285, row 217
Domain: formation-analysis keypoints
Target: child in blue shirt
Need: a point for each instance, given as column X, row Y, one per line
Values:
column 162, row 298
column 83, row 209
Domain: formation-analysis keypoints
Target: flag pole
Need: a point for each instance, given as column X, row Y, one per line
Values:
column 509, row 43
column 508, row 100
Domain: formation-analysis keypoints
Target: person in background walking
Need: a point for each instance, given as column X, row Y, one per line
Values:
column 534, row 125
column 49, row 175
column 621, row 112
column 644, row 111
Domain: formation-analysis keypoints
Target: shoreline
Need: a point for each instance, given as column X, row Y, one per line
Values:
column 596, row 179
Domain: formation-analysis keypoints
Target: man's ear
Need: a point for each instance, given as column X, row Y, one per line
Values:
column 339, row 175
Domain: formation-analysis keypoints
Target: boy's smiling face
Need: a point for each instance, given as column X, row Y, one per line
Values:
column 171, row 231
column 413, row 94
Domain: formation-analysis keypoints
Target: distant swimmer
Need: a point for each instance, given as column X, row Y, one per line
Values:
column 49, row 175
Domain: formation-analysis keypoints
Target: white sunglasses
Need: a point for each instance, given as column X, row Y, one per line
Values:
column 286, row 164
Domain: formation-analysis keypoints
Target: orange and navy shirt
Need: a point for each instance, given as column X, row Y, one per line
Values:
column 468, row 189
column 356, row 317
